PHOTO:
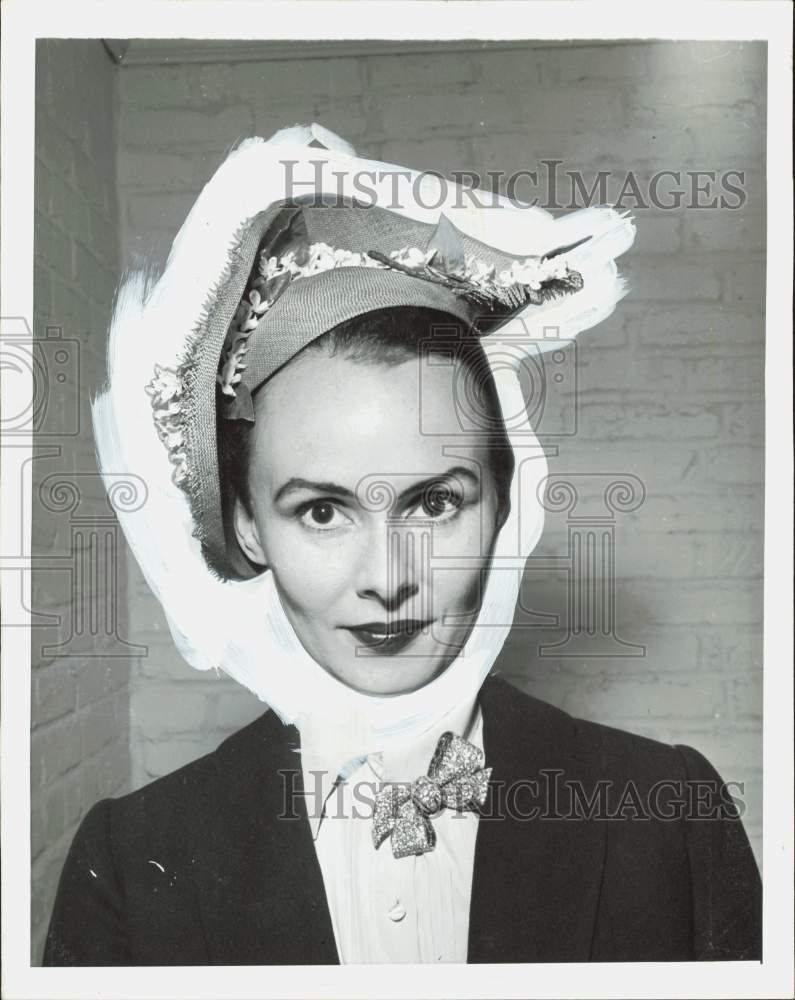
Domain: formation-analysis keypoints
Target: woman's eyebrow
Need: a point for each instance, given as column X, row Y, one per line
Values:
column 456, row 472
column 296, row 483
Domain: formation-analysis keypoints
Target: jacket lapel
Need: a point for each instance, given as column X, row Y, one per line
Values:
column 262, row 897
column 536, row 881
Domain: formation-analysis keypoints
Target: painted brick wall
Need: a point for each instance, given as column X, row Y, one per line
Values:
column 80, row 744
column 669, row 391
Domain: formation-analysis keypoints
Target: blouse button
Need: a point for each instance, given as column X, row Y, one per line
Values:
column 398, row 912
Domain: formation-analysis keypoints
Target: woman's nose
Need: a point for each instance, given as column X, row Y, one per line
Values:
column 390, row 568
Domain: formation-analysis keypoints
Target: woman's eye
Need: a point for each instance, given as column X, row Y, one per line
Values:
column 323, row 516
column 440, row 502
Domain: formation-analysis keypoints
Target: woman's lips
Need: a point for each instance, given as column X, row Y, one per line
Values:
column 387, row 638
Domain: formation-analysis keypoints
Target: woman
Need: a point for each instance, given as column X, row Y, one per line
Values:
column 353, row 490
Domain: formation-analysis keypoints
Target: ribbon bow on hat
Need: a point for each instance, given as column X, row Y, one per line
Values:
column 456, row 779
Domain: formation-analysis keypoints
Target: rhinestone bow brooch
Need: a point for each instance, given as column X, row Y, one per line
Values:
column 456, row 779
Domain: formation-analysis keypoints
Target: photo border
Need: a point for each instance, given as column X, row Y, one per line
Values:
column 24, row 22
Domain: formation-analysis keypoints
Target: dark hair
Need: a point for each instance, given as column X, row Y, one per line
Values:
column 388, row 337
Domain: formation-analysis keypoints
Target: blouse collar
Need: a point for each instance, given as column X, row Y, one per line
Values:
column 323, row 766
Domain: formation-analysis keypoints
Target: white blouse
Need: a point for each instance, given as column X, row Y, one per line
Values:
column 386, row 909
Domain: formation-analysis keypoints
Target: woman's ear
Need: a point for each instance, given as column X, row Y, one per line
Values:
column 247, row 534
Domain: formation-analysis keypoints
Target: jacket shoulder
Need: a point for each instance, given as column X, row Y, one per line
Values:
column 554, row 737
column 128, row 890
column 184, row 795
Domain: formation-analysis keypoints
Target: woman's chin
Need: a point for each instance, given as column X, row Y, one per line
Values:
column 389, row 675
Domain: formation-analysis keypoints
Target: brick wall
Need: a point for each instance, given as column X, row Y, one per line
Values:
column 669, row 391
column 80, row 744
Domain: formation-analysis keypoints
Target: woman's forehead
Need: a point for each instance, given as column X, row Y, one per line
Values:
column 330, row 414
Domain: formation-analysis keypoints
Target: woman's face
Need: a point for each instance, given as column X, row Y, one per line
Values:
column 378, row 540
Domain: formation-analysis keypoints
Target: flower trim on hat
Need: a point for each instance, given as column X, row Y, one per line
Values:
column 245, row 322
column 165, row 392
column 533, row 280
column 274, row 275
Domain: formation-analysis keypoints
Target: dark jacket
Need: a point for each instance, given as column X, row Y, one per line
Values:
column 584, row 852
